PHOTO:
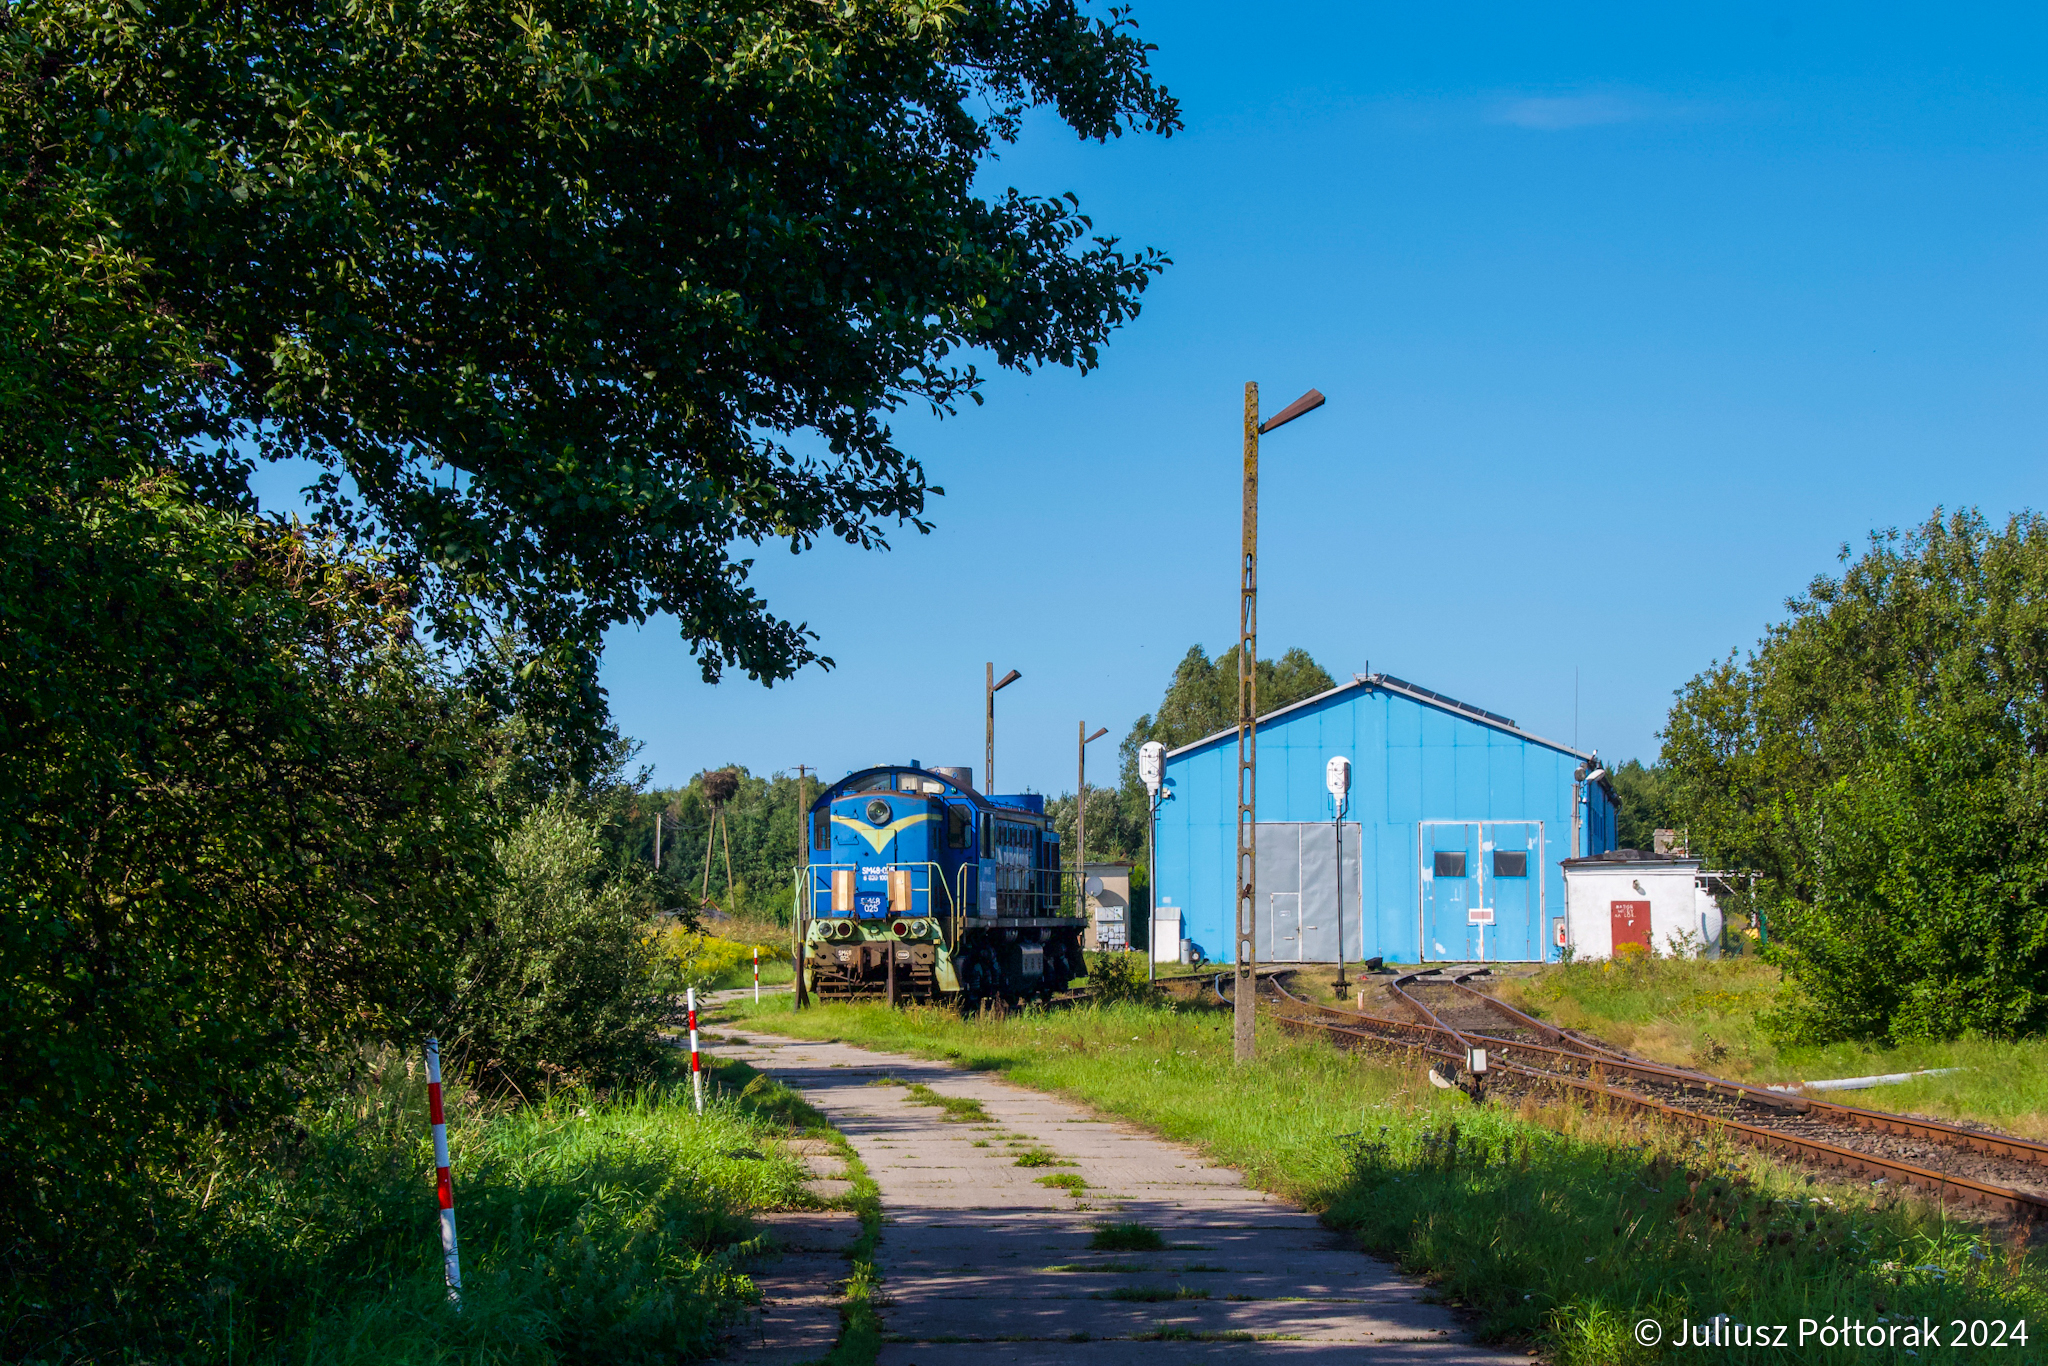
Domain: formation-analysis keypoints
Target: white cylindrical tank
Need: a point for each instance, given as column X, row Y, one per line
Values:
column 1710, row 920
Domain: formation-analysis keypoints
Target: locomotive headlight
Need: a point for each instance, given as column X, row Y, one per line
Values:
column 920, row 927
column 878, row 812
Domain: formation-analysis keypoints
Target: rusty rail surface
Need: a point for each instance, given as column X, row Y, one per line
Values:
column 1880, row 1121
column 2019, row 1203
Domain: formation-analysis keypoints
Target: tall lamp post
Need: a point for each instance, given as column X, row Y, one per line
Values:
column 1245, row 1004
column 988, row 772
column 1337, row 778
column 1081, row 818
column 1152, row 772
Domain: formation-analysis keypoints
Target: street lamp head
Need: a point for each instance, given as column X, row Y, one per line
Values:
column 1096, row 736
column 1006, row 680
column 1307, row 403
column 1596, row 775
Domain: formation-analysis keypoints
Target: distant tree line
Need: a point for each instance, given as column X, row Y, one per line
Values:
column 762, row 833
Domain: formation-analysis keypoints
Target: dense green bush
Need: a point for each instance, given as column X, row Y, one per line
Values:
column 239, row 833
column 566, row 983
column 1118, row 979
column 1882, row 756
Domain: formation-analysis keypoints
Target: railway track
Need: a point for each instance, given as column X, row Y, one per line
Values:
column 1526, row 1055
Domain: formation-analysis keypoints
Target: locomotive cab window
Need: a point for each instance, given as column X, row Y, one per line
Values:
column 821, row 828
column 1450, row 864
column 956, row 827
column 1507, row 864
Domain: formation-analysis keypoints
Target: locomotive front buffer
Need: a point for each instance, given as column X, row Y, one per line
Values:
column 920, row 888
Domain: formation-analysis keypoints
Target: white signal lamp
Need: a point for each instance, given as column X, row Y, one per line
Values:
column 1152, row 765
column 1337, row 778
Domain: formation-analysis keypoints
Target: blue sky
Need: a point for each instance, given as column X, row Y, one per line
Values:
column 1628, row 319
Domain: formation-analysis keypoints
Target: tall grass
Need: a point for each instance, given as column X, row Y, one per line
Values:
column 591, row 1229
column 1559, row 1226
column 1703, row 1013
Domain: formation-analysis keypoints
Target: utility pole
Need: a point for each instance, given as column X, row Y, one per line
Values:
column 800, row 920
column 1244, row 1003
column 1081, row 819
column 988, row 772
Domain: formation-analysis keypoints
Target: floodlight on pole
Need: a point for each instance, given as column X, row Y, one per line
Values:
column 1307, row 403
column 1247, row 873
column 988, row 772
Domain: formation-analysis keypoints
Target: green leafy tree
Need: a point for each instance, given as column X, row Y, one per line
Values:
column 1202, row 699
column 1642, row 803
column 239, row 834
column 1879, row 757
column 573, row 300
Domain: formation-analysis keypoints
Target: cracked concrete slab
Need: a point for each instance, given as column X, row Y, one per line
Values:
column 983, row 1265
column 798, row 1317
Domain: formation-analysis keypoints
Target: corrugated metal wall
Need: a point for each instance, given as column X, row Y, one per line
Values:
column 1412, row 761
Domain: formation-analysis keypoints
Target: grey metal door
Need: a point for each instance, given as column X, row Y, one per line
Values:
column 1283, row 928
column 1298, row 860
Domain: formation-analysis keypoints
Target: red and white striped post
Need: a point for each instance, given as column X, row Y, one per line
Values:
column 757, row 974
column 451, row 1259
column 696, row 1062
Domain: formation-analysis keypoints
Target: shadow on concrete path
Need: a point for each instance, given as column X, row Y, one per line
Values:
column 982, row 1264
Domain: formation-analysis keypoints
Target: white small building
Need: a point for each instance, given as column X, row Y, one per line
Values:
column 1626, row 896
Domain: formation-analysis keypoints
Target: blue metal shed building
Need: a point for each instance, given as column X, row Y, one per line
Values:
column 1450, row 846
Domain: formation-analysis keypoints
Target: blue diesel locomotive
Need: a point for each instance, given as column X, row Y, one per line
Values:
column 919, row 887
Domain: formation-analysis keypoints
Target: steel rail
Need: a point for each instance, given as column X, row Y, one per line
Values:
column 2020, row 1203
column 1649, row 1071
column 1879, row 1121
column 1613, row 1060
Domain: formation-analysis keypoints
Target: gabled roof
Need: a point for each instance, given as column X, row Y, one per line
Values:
column 1389, row 683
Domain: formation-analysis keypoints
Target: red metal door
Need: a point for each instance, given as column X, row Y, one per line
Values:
column 1629, row 922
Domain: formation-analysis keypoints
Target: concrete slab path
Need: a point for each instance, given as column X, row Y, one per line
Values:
column 797, row 1320
column 982, row 1264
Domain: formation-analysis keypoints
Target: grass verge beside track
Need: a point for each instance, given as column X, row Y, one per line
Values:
column 1704, row 1013
column 1559, row 1226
